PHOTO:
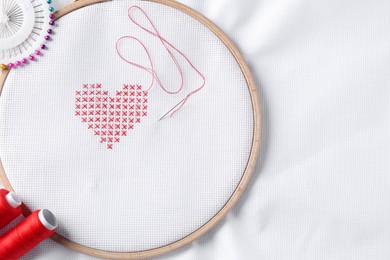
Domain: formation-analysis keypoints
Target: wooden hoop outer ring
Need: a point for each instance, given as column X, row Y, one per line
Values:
column 246, row 175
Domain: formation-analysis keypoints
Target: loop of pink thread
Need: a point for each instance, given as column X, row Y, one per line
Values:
column 167, row 45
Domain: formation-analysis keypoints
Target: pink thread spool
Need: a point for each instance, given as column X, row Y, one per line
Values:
column 10, row 207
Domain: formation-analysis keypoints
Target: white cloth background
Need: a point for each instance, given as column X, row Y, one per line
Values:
column 322, row 186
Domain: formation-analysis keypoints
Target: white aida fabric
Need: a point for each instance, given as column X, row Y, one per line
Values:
column 322, row 185
column 156, row 181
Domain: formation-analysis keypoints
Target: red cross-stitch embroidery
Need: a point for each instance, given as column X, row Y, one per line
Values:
column 100, row 107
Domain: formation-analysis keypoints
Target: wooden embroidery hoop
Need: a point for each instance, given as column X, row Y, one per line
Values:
column 245, row 177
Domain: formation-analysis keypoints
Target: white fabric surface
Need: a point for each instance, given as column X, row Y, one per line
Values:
column 322, row 186
column 164, row 179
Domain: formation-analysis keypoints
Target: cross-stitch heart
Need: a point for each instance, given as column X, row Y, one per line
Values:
column 110, row 118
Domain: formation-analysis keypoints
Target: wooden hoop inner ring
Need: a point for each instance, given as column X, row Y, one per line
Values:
column 254, row 153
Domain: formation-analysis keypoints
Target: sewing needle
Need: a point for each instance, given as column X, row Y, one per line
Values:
column 172, row 109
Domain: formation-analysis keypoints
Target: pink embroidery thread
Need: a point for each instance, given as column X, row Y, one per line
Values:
column 110, row 118
column 167, row 45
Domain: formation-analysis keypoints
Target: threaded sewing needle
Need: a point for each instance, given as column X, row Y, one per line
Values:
column 172, row 109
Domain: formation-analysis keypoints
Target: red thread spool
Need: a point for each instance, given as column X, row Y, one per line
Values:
column 10, row 207
column 27, row 234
